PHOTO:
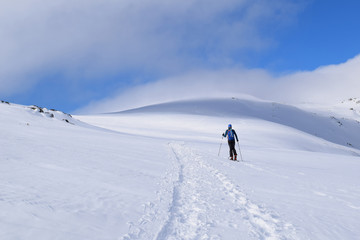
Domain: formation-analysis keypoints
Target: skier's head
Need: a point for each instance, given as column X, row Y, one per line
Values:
column 229, row 126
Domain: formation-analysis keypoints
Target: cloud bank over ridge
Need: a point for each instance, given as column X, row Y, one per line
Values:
column 176, row 50
column 325, row 85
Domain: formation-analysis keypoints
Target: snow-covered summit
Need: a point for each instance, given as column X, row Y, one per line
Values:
column 353, row 107
column 352, row 103
column 326, row 125
column 349, row 108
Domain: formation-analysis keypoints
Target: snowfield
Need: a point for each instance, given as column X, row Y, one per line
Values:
column 155, row 173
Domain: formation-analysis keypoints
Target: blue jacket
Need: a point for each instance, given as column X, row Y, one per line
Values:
column 231, row 135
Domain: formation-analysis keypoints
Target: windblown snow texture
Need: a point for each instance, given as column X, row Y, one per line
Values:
column 154, row 173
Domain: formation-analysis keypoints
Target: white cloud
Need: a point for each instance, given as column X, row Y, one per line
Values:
column 326, row 85
column 92, row 39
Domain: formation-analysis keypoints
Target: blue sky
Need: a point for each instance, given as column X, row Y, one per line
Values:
column 326, row 32
column 69, row 55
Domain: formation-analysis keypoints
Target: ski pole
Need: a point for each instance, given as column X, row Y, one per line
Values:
column 240, row 152
column 220, row 146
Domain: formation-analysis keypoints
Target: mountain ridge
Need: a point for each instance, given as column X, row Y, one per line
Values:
column 331, row 127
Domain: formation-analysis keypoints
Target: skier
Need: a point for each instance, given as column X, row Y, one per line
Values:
column 231, row 135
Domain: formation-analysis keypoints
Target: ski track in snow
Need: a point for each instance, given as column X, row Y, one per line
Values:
column 188, row 209
column 154, row 214
column 198, row 197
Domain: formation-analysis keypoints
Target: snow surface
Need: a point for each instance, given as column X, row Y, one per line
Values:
column 155, row 173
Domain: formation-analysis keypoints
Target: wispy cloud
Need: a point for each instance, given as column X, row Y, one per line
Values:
column 88, row 40
column 326, row 85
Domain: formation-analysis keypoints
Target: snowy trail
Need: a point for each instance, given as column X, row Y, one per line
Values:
column 205, row 204
column 189, row 209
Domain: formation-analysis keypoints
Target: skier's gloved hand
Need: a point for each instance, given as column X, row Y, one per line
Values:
column 223, row 134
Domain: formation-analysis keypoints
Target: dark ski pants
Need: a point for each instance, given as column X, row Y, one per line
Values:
column 232, row 148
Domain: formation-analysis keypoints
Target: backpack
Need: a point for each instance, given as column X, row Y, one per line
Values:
column 230, row 134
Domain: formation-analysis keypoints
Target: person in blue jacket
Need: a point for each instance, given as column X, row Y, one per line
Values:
column 231, row 135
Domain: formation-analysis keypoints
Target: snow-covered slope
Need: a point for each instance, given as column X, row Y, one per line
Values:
column 155, row 173
column 332, row 128
column 349, row 108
